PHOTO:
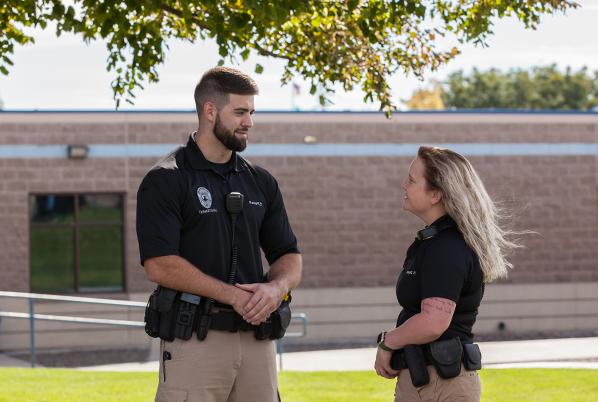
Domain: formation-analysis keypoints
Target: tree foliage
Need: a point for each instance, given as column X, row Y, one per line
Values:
column 426, row 99
column 345, row 42
column 539, row 88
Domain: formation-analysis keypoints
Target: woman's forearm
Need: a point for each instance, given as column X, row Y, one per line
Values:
column 417, row 330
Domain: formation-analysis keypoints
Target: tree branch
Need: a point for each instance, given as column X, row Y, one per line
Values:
column 258, row 48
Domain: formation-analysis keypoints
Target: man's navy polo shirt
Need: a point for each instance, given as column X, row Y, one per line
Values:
column 181, row 211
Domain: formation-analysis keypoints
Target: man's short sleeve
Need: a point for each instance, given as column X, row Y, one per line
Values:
column 443, row 269
column 276, row 236
column 159, row 214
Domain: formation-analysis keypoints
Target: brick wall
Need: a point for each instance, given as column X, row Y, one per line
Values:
column 346, row 210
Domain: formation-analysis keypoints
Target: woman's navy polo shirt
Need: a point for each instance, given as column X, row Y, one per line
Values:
column 442, row 266
column 181, row 211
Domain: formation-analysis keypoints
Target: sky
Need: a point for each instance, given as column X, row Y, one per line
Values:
column 66, row 74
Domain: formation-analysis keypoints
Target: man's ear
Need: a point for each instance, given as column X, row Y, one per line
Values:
column 210, row 111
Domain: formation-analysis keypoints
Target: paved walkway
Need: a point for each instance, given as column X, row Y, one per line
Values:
column 550, row 353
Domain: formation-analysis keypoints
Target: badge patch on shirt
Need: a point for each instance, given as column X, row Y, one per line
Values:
column 205, row 198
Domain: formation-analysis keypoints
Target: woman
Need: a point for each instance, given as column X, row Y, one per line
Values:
column 442, row 282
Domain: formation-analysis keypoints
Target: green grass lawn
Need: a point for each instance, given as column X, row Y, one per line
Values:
column 506, row 385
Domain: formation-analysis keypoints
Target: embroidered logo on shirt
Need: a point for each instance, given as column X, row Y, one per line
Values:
column 256, row 203
column 205, row 198
column 410, row 272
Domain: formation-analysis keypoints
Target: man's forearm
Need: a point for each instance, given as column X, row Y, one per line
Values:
column 286, row 271
column 177, row 273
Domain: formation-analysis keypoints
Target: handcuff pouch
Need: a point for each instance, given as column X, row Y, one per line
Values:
column 473, row 357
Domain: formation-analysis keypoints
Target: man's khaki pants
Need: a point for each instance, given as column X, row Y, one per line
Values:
column 466, row 387
column 225, row 367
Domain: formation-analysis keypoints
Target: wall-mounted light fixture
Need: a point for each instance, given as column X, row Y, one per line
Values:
column 310, row 139
column 77, row 151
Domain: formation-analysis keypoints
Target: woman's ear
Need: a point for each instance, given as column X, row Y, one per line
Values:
column 436, row 197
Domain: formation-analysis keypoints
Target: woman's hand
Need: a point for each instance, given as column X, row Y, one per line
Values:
column 382, row 365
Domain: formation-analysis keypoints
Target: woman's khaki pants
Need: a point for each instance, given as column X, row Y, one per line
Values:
column 466, row 387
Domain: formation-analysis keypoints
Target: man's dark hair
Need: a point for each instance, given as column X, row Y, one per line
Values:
column 216, row 85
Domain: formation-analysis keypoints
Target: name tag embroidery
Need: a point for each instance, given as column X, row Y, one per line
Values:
column 408, row 268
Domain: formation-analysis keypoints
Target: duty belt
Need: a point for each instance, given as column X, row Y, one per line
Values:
column 229, row 320
column 401, row 363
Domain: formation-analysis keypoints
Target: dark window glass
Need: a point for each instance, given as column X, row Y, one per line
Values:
column 52, row 209
column 52, row 260
column 100, row 259
column 102, row 208
column 76, row 243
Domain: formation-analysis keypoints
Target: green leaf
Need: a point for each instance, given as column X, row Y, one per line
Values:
column 259, row 69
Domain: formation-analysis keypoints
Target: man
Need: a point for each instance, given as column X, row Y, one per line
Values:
column 185, row 242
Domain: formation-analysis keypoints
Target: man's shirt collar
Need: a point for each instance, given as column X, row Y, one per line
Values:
column 199, row 162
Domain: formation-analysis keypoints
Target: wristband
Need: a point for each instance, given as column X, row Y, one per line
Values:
column 381, row 343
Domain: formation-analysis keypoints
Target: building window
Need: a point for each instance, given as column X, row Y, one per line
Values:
column 77, row 243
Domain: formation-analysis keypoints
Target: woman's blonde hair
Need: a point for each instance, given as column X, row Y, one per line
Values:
column 466, row 200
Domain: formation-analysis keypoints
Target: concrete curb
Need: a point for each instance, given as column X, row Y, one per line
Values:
column 545, row 353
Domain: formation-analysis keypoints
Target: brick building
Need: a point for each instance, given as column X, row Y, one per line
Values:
column 67, row 224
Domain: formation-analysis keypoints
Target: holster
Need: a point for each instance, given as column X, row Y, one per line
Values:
column 416, row 362
column 446, row 357
column 186, row 311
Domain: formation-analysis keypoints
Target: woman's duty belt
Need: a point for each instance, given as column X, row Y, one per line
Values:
column 446, row 356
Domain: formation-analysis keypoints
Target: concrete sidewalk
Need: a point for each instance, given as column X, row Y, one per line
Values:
column 550, row 353
column 7, row 361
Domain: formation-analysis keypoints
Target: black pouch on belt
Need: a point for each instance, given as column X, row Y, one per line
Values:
column 473, row 357
column 276, row 325
column 446, row 357
column 166, row 303
column 152, row 315
column 281, row 318
column 416, row 362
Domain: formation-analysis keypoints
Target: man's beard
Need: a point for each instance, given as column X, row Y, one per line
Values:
column 228, row 137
